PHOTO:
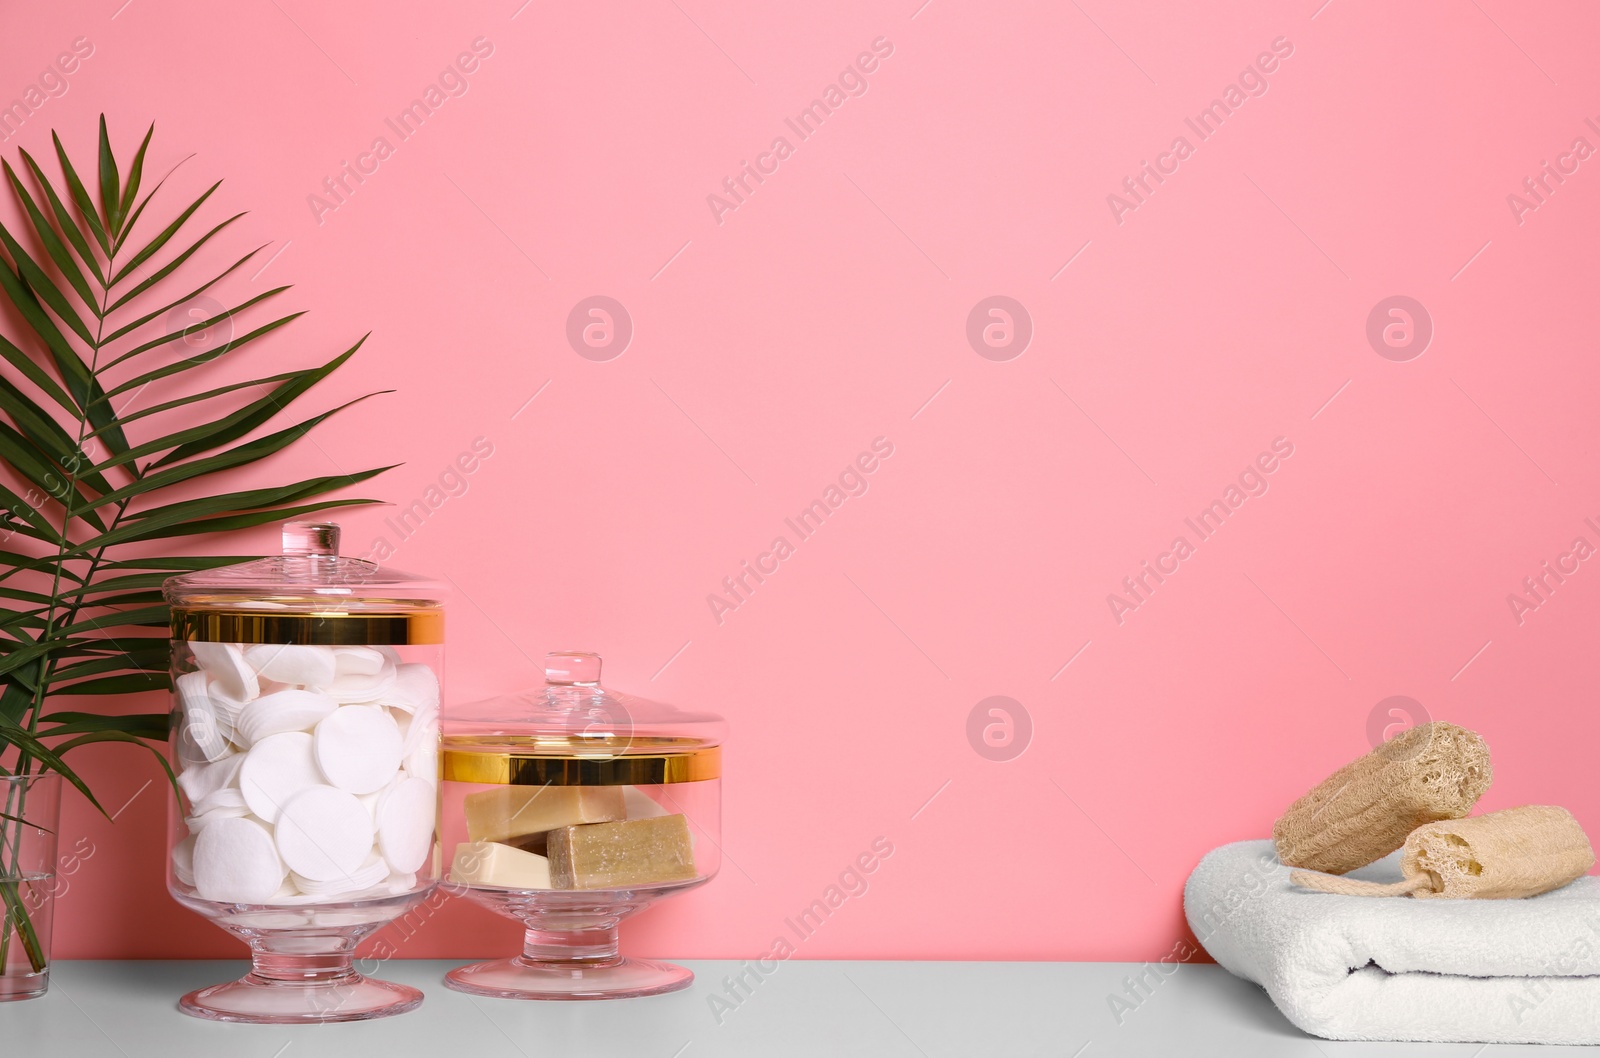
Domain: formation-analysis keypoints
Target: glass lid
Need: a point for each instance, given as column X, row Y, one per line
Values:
column 310, row 594
column 572, row 713
column 310, row 574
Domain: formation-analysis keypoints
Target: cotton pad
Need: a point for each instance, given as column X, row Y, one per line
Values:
column 275, row 770
column 199, row 781
column 400, row 883
column 226, row 798
column 227, row 666
column 235, row 862
column 405, row 825
column 415, row 687
column 358, row 748
column 207, row 726
column 416, row 728
column 423, row 762
column 290, row 710
column 368, row 875
column 194, row 823
column 227, row 708
column 304, row 666
column 358, row 661
column 361, row 687
column 183, row 860
column 324, row 834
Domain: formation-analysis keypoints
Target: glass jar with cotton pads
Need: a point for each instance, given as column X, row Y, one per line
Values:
column 305, row 739
column 569, row 808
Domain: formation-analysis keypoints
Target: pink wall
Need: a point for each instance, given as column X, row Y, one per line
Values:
column 1172, row 343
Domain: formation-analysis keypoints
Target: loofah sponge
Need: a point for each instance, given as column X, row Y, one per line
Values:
column 1501, row 855
column 1365, row 810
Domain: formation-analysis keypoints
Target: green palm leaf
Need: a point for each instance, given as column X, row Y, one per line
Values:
column 69, row 227
column 82, row 553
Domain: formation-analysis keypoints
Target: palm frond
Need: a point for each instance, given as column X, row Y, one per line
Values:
column 84, row 505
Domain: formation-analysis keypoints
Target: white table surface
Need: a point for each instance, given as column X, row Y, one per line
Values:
column 881, row 1009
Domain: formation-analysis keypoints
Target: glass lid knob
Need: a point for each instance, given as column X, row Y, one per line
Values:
column 566, row 668
column 311, row 538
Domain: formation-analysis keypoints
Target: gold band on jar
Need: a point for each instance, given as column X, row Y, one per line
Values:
column 321, row 628
column 642, row 762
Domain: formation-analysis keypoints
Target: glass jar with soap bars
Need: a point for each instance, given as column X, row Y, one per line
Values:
column 569, row 808
column 305, row 740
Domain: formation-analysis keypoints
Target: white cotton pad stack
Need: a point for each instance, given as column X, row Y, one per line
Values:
column 310, row 771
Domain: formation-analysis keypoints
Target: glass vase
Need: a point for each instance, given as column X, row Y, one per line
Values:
column 30, row 811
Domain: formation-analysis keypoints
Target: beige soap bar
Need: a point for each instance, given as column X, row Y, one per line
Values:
column 641, row 805
column 514, row 811
column 490, row 863
column 621, row 855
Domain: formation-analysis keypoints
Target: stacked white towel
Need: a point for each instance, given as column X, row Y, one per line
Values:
column 1396, row 968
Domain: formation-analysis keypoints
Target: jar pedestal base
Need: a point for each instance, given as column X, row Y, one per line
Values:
column 523, row 978
column 286, row 990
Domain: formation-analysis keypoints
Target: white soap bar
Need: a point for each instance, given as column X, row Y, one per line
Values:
column 207, row 725
column 405, row 825
column 227, row 666
column 358, row 748
column 491, row 863
column 324, row 834
column 289, row 710
column 275, row 770
column 235, row 862
column 302, row 666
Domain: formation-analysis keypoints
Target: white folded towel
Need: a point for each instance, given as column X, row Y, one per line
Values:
column 1397, row 968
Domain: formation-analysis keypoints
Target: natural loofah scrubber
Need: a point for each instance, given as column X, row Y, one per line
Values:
column 1501, row 855
column 1363, row 811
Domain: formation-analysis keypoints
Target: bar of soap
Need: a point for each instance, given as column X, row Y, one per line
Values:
column 539, row 843
column 641, row 805
column 516, row 811
column 621, row 855
column 490, row 863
